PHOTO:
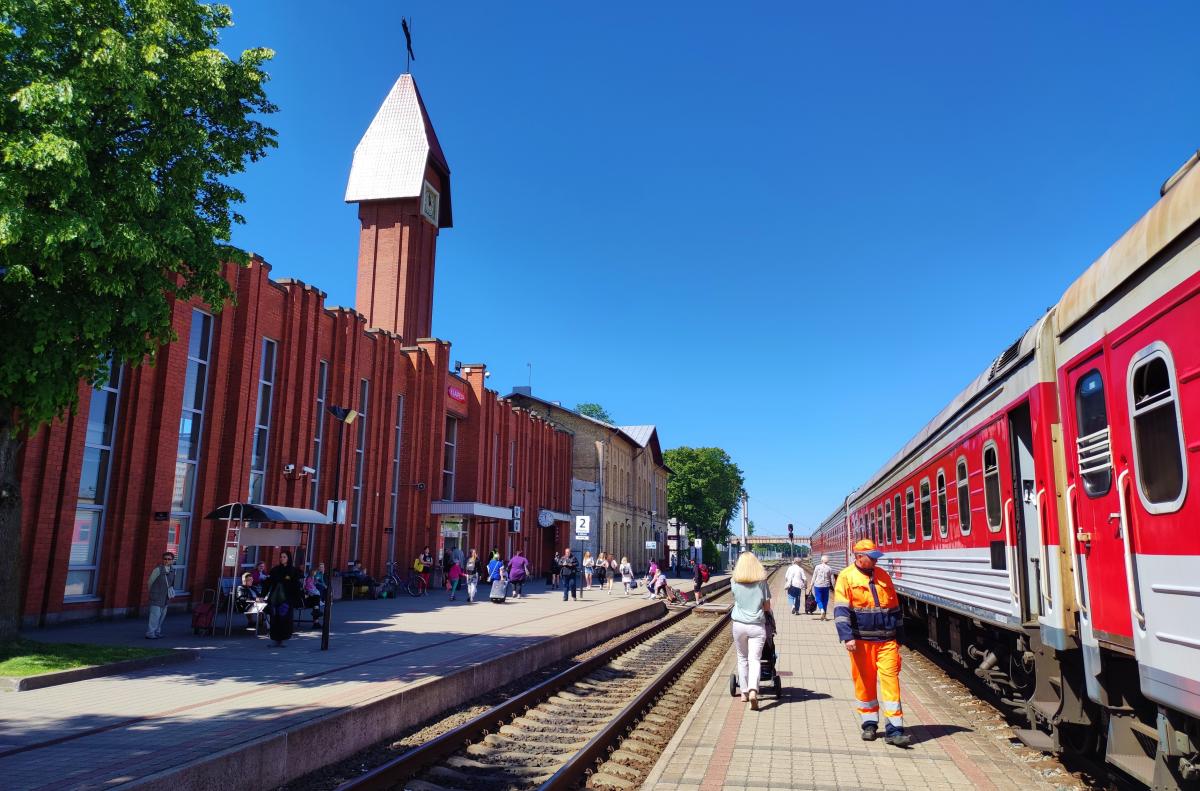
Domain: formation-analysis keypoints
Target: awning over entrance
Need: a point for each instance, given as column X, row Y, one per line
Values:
column 450, row 507
column 258, row 512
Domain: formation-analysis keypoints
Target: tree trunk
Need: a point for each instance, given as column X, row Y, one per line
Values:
column 10, row 527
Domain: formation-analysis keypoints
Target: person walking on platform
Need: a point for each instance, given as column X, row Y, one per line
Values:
column 796, row 585
column 518, row 572
column 751, row 603
column 568, row 567
column 162, row 590
column 698, row 582
column 866, row 611
column 626, row 574
column 823, row 578
column 474, row 564
column 284, row 595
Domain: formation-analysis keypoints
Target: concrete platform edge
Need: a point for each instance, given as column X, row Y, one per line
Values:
column 295, row 752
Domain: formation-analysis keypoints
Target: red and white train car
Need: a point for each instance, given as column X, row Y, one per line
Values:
column 1041, row 527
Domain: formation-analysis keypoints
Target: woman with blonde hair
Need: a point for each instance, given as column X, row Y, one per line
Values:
column 751, row 603
column 588, row 565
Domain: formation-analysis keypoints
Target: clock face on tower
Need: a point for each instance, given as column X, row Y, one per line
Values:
column 430, row 203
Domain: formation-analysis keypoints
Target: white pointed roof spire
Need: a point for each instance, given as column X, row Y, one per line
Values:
column 390, row 160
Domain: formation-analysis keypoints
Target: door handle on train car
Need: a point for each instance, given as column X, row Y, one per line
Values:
column 1044, row 570
column 1077, row 557
column 1135, row 595
column 1009, row 517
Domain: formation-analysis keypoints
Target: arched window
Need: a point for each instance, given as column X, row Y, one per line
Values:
column 943, row 527
column 991, row 486
column 964, row 497
column 1157, row 431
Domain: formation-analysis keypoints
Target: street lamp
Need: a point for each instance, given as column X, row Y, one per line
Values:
column 344, row 417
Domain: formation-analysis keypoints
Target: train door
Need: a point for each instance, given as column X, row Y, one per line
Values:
column 1094, row 502
column 1023, row 512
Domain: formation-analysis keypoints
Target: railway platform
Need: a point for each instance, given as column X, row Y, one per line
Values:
column 809, row 737
column 248, row 715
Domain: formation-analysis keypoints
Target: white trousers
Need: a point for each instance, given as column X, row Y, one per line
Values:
column 748, row 639
column 157, row 616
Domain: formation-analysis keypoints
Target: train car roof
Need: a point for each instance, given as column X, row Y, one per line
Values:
column 964, row 402
column 1176, row 211
column 836, row 516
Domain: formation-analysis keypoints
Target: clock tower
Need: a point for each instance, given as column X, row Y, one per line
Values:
column 401, row 183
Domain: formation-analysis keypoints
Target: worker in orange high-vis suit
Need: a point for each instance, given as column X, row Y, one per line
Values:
column 866, row 611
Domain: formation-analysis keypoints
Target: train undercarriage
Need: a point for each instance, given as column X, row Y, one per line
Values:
column 1043, row 690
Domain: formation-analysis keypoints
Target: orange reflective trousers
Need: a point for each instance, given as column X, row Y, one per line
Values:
column 877, row 665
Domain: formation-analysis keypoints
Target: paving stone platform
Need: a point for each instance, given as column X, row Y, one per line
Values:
column 249, row 715
column 809, row 738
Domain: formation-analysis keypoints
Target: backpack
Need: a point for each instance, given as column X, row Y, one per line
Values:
column 703, row 573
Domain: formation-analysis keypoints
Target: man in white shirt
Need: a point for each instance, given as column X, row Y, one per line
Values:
column 823, row 578
column 796, row 583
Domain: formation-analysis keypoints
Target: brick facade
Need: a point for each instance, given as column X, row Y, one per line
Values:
column 102, row 540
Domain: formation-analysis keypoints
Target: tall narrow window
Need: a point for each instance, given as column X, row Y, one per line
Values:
column 512, row 464
column 910, row 515
column 262, row 424
column 871, row 525
column 84, row 561
column 1093, row 446
column 926, row 515
column 396, row 477
column 319, row 435
column 943, row 522
column 1157, row 430
column 899, row 534
column 449, row 458
column 879, row 524
column 360, row 455
column 187, row 457
column 991, row 487
column 887, row 522
column 964, row 497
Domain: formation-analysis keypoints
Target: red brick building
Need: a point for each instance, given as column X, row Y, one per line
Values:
column 236, row 410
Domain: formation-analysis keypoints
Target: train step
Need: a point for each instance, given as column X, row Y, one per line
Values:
column 1038, row 740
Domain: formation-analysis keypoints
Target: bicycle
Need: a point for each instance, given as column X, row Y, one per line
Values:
column 392, row 583
column 416, row 585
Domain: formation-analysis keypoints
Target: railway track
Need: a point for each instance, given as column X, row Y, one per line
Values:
column 601, row 719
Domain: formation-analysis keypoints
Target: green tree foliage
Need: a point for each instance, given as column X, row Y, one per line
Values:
column 595, row 411
column 120, row 123
column 704, row 490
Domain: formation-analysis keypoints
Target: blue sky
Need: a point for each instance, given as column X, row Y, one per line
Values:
column 791, row 231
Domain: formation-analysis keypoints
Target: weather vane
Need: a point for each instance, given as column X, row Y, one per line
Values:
column 410, row 57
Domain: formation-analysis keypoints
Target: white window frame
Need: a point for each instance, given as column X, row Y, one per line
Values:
column 943, row 506
column 910, row 514
column 887, row 521
column 360, row 455
column 451, row 444
column 106, row 390
column 1156, row 350
column 992, row 446
column 928, row 487
column 964, row 528
column 186, row 512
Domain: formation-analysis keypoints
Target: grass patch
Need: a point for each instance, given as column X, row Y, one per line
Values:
column 28, row 657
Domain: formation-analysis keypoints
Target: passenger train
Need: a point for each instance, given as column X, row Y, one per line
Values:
column 1044, row 528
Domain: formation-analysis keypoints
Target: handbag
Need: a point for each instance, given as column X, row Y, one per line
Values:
column 632, row 584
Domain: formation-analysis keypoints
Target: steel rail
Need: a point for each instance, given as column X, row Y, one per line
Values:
column 572, row 773
column 412, row 762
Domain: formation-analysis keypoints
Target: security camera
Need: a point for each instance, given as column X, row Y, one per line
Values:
column 306, row 470
column 288, row 469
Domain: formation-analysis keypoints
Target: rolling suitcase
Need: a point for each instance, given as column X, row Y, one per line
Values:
column 499, row 592
column 205, row 612
column 810, row 603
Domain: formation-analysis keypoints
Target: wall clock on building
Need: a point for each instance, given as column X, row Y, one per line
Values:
column 431, row 201
column 545, row 518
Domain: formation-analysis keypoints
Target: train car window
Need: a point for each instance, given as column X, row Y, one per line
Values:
column 1157, row 430
column 871, row 525
column 1093, row 444
column 991, row 487
column 964, row 498
column 899, row 535
column 887, row 522
column 879, row 524
column 910, row 514
column 926, row 515
column 943, row 528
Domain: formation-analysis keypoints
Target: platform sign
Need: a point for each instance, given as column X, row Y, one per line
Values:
column 341, row 511
column 583, row 526
column 698, row 543
column 651, row 545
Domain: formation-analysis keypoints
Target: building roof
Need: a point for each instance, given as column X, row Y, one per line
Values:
column 639, row 434
column 390, row 159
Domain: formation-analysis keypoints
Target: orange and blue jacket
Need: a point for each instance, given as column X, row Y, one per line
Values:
column 866, row 606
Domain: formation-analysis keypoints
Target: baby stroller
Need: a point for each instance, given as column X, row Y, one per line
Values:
column 767, row 675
